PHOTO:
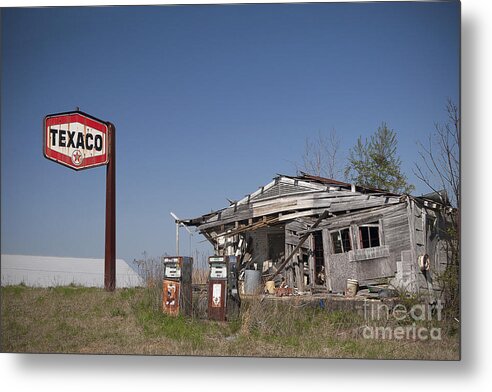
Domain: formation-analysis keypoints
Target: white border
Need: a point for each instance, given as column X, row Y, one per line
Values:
column 127, row 373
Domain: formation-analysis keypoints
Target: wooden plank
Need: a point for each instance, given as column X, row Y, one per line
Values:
column 311, row 265
column 301, row 241
column 369, row 253
column 290, row 272
column 289, row 205
column 302, row 196
column 326, row 254
column 381, row 232
column 258, row 192
column 282, row 180
column 358, row 205
column 297, row 272
column 308, row 184
column 299, row 208
column 321, row 200
column 297, row 225
column 291, row 238
column 251, row 227
column 411, row 228
column 239, row 216
column 299, row 194
column 301, row 214
column 359, row 217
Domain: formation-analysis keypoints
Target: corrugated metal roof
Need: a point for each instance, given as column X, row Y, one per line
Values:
column 47, row 271
column 330, row 181
column 323, row 180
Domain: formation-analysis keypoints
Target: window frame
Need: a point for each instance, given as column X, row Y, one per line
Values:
column 339, row 231
column 369, row 226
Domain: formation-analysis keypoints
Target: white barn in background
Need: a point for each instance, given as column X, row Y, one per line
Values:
column 47, row 271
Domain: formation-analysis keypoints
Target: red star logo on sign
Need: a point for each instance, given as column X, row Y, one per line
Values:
column 77, row 157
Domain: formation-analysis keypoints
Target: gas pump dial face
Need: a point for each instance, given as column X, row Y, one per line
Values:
column 218, row 270
column 172, row 270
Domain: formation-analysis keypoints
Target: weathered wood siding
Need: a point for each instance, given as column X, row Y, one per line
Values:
column 259, row 243
column 296, row 204
column 341, row 269
column 396, row 233
column 287, row 208
column 427, row 230
column 371, row 264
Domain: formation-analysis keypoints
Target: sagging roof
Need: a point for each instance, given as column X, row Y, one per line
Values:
column 289, row 197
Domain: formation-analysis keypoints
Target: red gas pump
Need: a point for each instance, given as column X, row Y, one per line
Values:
column 176, row 286
column 223, row 296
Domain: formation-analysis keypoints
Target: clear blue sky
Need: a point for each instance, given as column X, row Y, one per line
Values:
column 209, row 102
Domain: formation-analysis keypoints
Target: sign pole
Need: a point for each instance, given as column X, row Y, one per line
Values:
column 79, row 141
column 110, row 241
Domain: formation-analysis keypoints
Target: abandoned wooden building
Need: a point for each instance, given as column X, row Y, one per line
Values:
column 314, row 233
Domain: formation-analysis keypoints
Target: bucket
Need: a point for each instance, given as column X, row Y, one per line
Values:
column 352, row 287
column 270, row 287
column 252, row 279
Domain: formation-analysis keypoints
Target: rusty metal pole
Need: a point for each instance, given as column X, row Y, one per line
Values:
column 110, row 242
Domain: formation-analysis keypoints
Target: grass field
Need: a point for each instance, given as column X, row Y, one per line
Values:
column 128, row 321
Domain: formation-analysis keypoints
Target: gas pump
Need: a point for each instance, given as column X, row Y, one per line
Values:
column 176, row 286
column 223, row 294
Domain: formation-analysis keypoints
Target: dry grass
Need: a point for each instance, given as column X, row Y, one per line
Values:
column 200, row 276
column 128, row 321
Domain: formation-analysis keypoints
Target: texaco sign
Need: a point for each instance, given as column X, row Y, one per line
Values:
column 76, row 140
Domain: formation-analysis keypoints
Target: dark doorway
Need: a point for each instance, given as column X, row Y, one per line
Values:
column 276, row 246
column 319, row 259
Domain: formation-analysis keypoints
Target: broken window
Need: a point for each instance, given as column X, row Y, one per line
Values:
column 341, row 240
column 369, row 236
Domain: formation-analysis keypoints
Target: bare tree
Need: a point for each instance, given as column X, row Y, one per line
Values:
column 440, row 170
column 440, row 167
column 320, row 156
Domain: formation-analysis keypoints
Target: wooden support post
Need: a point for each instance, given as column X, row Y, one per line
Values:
column 301, row 241
column 414, row 285
column 289, row 271
column 311, row 263
column 298, row 272
column 327, row 254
